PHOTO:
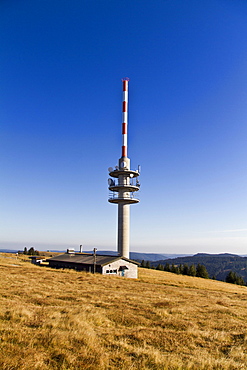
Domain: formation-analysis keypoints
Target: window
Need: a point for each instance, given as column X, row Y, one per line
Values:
column 111, row 272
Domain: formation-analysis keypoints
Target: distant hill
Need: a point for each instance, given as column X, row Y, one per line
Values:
column 153, row 256
column 138, row 256
column 217, row 265
column 8, row 250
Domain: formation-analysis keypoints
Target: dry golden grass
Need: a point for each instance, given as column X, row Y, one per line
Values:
column 53, row 319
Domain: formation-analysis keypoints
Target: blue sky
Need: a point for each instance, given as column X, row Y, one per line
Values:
column 61, row 64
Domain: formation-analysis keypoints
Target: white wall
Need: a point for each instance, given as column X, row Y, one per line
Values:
column 131, row 272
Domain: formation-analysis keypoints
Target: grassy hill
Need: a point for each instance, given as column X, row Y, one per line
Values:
column 53, row 319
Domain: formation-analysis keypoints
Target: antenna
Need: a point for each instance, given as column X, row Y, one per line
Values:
column 94, row 260
column 125, row 117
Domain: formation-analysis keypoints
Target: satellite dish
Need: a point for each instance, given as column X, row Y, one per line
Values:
column 131, row 175
column 110, row 169
column 117, row 168
column 111, row 182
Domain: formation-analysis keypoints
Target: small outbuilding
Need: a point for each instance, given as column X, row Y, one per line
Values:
column 36, row 260
column 102, row 264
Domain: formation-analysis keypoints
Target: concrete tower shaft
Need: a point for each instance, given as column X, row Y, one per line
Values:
column 125, row 184
column 123, row 229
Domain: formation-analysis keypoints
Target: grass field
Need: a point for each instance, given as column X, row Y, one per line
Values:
column 63, row 319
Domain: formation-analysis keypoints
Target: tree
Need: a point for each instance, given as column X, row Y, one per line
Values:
column 25, row 250
column 192, row 270
column 233, row 278
column 32, row 252
column 167, row 267
column 201, row 271
column 174, row 269
column 160, row 267
column 148, row 265
column 143, row 263
column 185, row 269
column 181, row 269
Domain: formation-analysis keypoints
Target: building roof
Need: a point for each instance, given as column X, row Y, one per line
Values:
column 88, row 259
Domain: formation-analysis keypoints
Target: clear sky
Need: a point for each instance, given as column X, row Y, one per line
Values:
column 61, row 64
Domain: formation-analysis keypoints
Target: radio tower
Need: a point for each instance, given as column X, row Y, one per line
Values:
column 125, row 184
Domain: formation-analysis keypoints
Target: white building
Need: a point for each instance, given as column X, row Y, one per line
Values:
column 106, row 265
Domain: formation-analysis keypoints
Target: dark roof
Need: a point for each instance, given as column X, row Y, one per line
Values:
column 121, row 268
column 88, row 259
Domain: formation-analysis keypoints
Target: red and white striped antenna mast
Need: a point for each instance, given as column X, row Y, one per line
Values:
column 125, row 117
